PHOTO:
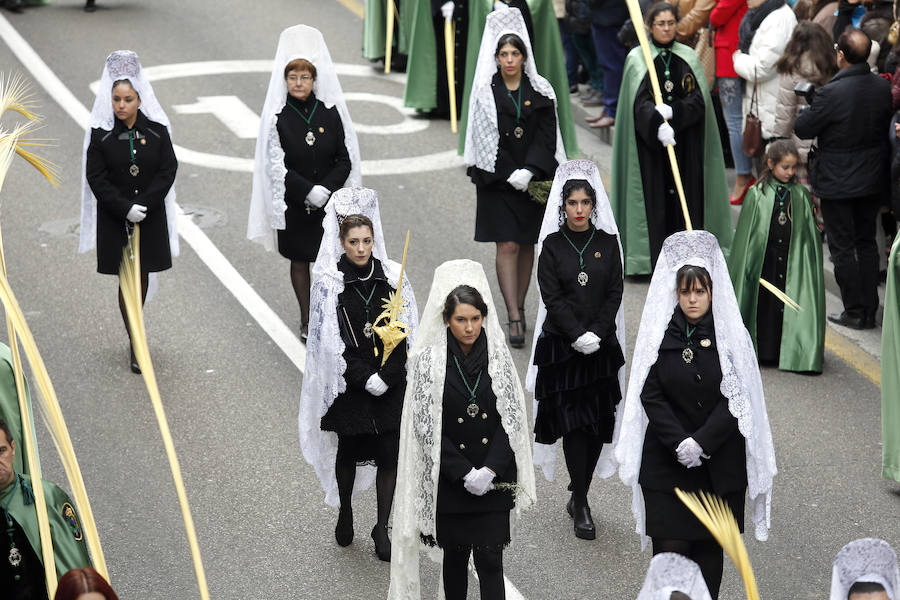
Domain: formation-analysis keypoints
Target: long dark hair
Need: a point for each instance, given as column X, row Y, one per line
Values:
column 812, row 40
column 463, row 294
column 776, row 151
column 574, row 185
column 513, row 40
column 659, row 8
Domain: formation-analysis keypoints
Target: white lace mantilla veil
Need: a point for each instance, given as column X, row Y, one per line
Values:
column 670, row 572
column 323, row 378
column 121, row 64
column 267, row 203
column 741, row 383
column 601, row 218
column 867, row 559
column 419, row 466
column 482, row 132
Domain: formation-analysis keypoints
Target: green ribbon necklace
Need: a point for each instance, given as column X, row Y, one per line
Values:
column 15, row 556
column 687, row 355
column 472, row 409
column 133, row 169
column 518, row 131
column 582, row 276
column 783, row 195
column 310, row 136
column 666, row 55
column 367, row 328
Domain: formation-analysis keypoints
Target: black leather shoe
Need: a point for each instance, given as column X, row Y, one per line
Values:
column 516, row 334
column 869, row 321
column 848, row 321
column 134, row 364
column 382, row 543
column 570, row 506
column 584, row 524
column 343, row 531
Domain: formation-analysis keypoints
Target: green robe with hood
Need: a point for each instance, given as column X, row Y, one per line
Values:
column 803, row 333
column 627, row 195
column 890, row 369
column 9, row 406
column 375, row 28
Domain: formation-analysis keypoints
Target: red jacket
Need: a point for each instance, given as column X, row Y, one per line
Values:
column 725, row 18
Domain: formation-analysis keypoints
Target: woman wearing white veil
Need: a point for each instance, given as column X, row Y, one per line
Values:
column 512, row 138
column 865, row 569
column 352, row 394
column 465, row 455
column 128, row 175
column 672, row 574
column 305, row 150
column 577, row 364
column 694, row 415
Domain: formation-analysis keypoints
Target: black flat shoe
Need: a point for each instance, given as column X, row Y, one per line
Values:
column 570, row 506
column 846, row 320
column 382, row 542
column 135, row 368
column 584, row 524
column 516, row 341
column 343, row 531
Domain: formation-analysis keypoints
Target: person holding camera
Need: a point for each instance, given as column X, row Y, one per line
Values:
column 849, row 115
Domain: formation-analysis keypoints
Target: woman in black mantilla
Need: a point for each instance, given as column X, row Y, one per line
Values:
column 577, row 353
column 366, row 416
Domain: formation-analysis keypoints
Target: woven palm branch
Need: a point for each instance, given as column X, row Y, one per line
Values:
column 393, row 331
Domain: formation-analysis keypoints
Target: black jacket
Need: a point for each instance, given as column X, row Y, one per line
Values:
column 683, row 400
column 472, row 441
column 850, row 115
column 610, row 13
column 107, row 171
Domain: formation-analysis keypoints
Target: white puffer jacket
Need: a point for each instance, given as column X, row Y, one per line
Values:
column 765, row 50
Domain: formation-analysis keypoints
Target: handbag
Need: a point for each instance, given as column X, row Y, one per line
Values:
column 753, row 144
column 706, row 52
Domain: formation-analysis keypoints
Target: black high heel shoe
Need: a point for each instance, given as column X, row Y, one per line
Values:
column 516, row 341
column 382, row 542
column 343, row 531
column 522, row 318
column 135, row 368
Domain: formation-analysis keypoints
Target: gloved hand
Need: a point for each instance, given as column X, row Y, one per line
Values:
column 136, row 213
column 665, row 111
column 447, row 10
column 375, row 385
column 500, row 5
column 587, row 343
column 318, row 196
column 520, row 178
column 689, row 452
column 666, row 135
column 479, row 481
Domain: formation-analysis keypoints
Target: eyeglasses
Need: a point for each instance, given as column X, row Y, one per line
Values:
column 296, row 78
column 664, row 24
column 836, row 49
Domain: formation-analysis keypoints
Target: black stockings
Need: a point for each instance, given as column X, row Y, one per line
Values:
column 488, row 565
column 706, row 553
column 514, row 263
column 300, row 281
column 385, row 477
column 144, row 279
column 581, row 450
column 385, row 480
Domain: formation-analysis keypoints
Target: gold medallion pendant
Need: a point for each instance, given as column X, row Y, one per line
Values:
column 518, row 132
column 782, row 218
column 310, row 138
column 367, row 329
column 134, row 170
column 15, row 557
column 687, row 355
column 472, row 410
column 582, row 278
column 669, row 85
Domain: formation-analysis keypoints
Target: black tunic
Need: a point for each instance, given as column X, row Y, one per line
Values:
column 683, row 400
column 460, row 23
column 769, row 309
column 503, row 213
column 573, row 390
column 664, row 215
column 31, row 584
column 356, row 411
column 107, row 172
column 325, row 163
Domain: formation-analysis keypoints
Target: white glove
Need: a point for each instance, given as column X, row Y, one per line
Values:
column 689, row 453
column 318, row 196
column 520, row 178
column 587, row 343
column 500, row 5
column 447, row 10
column 666, row 135
column 665, row 111
column 136, row 213
column 375, row 385
column 479, row 481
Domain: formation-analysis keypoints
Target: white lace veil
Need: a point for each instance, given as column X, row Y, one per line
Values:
column 267, row 203
column 670, row 572
column 741, row 382
column 868, row 559
column 420, row 432
column 323, row 378
column 482, row 132
column 121, row 64
column 601, row 218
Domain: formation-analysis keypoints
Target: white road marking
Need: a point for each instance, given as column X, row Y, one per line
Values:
column 230, row 110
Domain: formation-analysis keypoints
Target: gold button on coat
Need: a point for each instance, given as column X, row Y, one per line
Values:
column 484, row 441
column 459, row 420
column 462, row 446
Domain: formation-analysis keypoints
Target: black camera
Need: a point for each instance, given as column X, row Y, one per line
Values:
column 805, row 90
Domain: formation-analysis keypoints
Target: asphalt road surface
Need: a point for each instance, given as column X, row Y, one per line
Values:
column 231, row 390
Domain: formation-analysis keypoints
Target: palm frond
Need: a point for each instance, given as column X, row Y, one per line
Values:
column 7, row 150
column 16, row 95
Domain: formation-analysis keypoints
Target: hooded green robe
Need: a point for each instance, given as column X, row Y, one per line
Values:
column 375, row 28
column 803, row 333
column 9, row 407
column 627, row 195
column 890, row 369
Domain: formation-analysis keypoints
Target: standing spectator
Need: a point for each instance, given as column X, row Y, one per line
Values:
column 569, row 50
column 578, row 22
column 726, row 19
column 692, row 16
column 850, row 115
column 822, row 13
column 607, row 17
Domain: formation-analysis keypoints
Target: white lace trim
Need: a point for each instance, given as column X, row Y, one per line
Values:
column 867, row 559
column 669, row 572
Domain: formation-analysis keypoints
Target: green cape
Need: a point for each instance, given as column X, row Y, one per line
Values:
column 9, row 407
column 421, row 74
column 890, row 369
column 375, row 28
column 803, row 333
column 69, row 547
column 627, row 196
column 548, row 59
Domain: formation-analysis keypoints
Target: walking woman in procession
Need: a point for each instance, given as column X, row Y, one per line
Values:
column 512, row 139
column 306, row 149
column 577, row 365
column 465, row 456
column 695, row 416
column 354, row 380
column 129, row 176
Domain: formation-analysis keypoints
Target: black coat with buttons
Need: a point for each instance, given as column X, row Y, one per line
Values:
column 683, row 400
column 472, row 440
column 107, row 170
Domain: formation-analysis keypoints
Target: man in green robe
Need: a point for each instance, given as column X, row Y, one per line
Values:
column 630, row 184
column 890, row 369
column 9, row 406
column 375, row 30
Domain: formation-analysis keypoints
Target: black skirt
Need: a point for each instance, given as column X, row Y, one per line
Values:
column 378, row 449
column 302, row 234
column 506, row 216
column 575, row 390
column 669, row 519
column 461, row 531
